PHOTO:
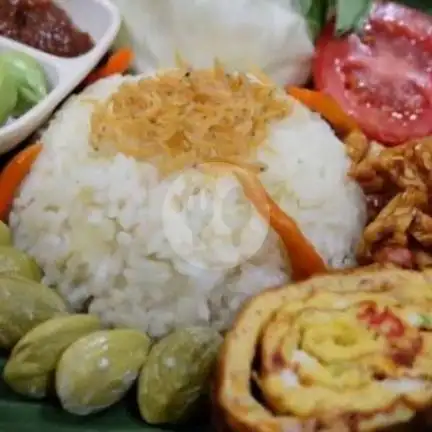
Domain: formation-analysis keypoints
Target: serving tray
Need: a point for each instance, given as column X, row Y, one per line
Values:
column 101, row 19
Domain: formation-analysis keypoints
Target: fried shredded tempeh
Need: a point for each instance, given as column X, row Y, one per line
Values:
column 183, row 117
column 397, row 183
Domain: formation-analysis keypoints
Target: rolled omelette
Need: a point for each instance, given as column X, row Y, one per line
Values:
column 336, row 353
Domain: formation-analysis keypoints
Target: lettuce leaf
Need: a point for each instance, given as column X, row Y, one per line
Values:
column 350, row 15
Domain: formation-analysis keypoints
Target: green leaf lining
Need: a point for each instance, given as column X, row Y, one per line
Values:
column 422, row 5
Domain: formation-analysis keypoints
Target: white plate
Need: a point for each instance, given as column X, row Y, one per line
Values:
column 101, row 19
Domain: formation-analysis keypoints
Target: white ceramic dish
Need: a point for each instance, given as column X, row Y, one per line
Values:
column 101, row 19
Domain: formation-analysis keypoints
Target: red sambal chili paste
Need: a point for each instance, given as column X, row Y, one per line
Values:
column 43, row 25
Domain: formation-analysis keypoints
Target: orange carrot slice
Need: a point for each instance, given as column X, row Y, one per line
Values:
column 304, row 259
column 326, row 106
column 13, row 175
column 118, row 63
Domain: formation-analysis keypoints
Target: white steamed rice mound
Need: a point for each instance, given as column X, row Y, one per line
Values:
column 109, row 235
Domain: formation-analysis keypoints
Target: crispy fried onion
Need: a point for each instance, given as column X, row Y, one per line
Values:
column 183, row 117
column 398, row 185
column 339, row 353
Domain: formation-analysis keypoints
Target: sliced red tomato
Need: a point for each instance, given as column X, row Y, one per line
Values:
column 382, row 76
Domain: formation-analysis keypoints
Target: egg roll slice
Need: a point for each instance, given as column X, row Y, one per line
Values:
column 351, row 352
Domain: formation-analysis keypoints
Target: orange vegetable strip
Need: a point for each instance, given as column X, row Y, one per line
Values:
column 118, row 63
column 326, row 106
column 304, row 259
column 13, row 175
